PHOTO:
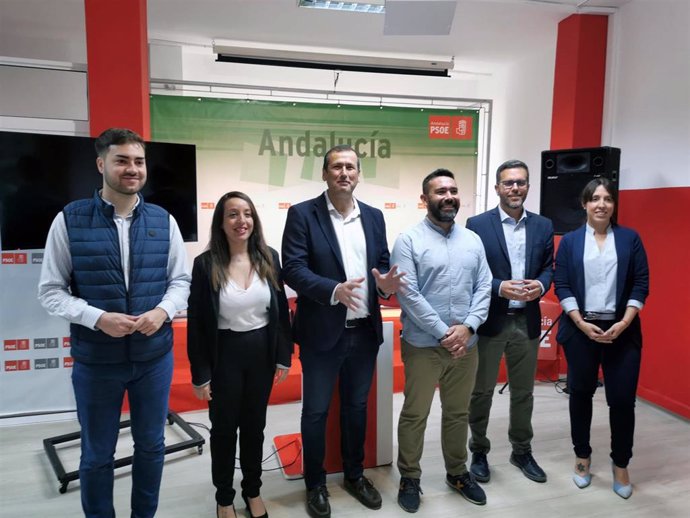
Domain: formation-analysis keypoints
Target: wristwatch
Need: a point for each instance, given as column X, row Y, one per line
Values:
column 470, row 328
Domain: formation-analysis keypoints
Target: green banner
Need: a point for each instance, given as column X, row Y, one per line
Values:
column 274, row 151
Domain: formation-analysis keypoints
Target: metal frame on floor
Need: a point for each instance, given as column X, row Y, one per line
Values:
column 195, row 441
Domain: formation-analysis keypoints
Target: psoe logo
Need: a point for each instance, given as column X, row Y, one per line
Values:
column 68, row 362
column 17, row 365
column 451, row 127
column 439, row 126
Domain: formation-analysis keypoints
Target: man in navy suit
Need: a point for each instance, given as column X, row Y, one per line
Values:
column 335, row 256
column 519, row 249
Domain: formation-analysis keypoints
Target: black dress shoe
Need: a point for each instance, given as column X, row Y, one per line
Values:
column 364, row 491
column 529, row 466
column 317, row 502
column 480, row 467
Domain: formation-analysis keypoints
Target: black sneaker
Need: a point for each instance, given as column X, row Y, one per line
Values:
column 467, row 486
column 317, row 502
column 529, row 466
column 408, row 495
column 480, row 467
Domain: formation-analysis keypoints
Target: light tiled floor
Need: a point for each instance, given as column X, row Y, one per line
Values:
column 659, row 470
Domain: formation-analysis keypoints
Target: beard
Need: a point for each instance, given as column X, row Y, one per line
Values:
column 444, row 216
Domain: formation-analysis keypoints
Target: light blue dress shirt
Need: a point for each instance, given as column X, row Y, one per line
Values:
column 516, row 242
column 447, row 282
column 601, row 269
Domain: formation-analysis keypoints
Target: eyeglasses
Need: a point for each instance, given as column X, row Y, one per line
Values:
column 509, row 183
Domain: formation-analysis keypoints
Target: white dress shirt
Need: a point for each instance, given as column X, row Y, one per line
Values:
column 353, row 249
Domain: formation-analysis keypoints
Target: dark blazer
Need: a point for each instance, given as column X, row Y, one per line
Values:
column 538, row 265
column 202, row 321
column 632, row 281
column 313, row 267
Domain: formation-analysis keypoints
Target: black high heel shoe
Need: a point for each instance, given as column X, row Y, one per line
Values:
column 249, row 510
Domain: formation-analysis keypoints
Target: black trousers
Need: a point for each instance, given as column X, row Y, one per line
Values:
column 240, row 387
column 620, row 364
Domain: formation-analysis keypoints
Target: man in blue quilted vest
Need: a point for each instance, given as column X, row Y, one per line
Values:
column 116, row 268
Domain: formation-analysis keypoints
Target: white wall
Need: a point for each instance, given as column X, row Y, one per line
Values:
column 649, row 101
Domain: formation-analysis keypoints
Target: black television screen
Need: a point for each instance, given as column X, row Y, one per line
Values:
column 40, row 174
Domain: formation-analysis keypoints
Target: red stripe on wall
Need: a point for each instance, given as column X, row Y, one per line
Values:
column 579, row 79
column 660, row 217
column 118, row 66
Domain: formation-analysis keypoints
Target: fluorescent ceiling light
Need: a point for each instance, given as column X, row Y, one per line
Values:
column 373, row 6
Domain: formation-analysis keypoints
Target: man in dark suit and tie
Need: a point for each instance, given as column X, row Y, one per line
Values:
column 335, row 256
column 519, row 249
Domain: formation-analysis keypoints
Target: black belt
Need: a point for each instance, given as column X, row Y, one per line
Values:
column 357, row 322
column 515, row 311
column 592, row 315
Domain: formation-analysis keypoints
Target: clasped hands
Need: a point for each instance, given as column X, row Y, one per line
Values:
column 596, row 334
column 348, row 293
column 525, row 290
column 455, row 340
column 120, row 324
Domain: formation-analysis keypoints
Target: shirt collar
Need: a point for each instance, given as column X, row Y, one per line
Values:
column 331, row 208
column 503, row 214
column 134, row 208
column 590, row 229
column 433, row 226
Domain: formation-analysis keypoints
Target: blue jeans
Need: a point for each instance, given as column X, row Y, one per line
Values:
column 99, row 390
column 352, row 361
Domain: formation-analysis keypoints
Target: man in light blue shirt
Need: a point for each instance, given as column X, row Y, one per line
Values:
column 445, row 299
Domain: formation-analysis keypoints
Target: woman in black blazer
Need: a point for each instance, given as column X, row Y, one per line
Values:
column 239, row 344
column 602, row 281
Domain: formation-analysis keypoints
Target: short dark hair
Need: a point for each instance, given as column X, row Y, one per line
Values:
column 116, row 137
column 339, row 149
column 435, row 174
column 511, row 164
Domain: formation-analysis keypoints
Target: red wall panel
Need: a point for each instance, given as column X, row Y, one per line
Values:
column 660, row 216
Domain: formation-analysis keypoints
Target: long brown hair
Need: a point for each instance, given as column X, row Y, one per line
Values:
column 260, row 255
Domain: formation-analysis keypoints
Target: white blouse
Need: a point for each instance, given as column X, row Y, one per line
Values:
column 243, row 310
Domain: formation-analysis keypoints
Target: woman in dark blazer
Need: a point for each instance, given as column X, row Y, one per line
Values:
column 602, row 282
column 238, row 343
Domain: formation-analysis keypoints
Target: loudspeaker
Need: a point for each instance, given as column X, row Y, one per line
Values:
column 564, row 173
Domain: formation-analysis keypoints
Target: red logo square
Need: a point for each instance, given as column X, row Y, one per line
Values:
column 66, row 342
column 462, row 128
column 7, row 258
column 439, row 126
column 23, row 344
column 10, row 345
column 67, row 362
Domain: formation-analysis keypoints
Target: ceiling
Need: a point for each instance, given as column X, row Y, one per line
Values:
column 488, row 31
column 483, row 33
